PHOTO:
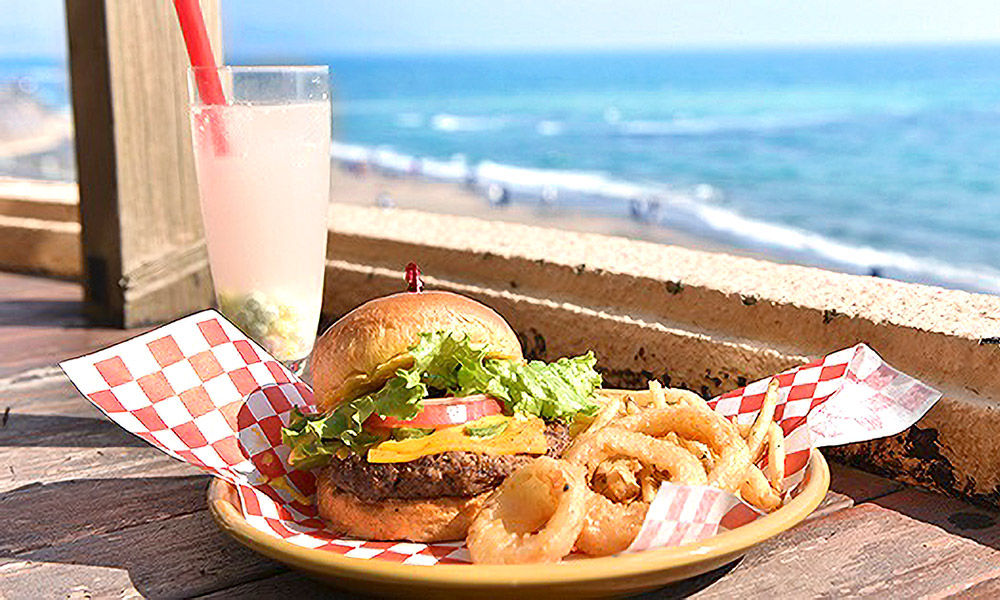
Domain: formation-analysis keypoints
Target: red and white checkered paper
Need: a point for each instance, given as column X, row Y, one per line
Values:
column 203, row 392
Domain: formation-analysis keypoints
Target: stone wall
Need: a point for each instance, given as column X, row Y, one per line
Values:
column 704, row 321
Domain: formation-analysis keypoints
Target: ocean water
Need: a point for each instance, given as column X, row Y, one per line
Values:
column 883, row 160
column 865, row 160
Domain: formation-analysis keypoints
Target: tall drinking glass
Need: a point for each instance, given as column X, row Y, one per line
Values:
column 263, row 163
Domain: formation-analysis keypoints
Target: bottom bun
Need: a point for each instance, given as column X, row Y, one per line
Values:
column 430, row 520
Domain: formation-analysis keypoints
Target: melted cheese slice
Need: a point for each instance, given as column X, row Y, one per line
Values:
column 521, row 436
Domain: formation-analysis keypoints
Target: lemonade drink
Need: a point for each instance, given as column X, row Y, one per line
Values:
column 264, row 197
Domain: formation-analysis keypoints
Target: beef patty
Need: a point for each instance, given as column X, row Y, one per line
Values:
column 445, row 474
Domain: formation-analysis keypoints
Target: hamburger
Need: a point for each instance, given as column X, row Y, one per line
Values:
column 425, row 404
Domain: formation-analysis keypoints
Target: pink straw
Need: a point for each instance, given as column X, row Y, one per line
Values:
column 206, row 74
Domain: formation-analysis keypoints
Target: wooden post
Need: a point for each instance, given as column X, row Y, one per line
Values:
column 143, row 247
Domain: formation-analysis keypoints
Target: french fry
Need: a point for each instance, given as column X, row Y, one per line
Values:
column 649, row 487
column 658, row 400
column 607, row 414
column 756, row 490
column 677, row 396
column 611, row 410
column 775, row 456
column 755, row 438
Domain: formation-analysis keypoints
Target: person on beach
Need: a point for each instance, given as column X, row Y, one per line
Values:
column 498, row 195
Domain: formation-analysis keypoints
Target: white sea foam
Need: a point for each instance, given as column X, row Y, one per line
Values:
column 456, row 169
column 529, row 181
column 812, row 248
column 391, row 160
column 459, row 123
column 351, row 153
column 691, row 209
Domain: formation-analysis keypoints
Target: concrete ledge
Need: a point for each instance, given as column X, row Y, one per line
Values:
column 51, row 201
column 39, row 228
column 632, row 351
column 702, row 320
column 38, row 246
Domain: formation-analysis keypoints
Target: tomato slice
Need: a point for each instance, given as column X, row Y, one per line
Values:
column 439, row 413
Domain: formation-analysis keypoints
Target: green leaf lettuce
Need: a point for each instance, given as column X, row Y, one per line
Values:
column 453, row 365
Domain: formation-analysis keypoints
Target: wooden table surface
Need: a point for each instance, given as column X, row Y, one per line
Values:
column 89, row 511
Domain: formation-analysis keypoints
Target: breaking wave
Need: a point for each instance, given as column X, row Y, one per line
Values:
column 691, row 209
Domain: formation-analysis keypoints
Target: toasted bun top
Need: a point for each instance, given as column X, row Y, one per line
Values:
column 361, row 350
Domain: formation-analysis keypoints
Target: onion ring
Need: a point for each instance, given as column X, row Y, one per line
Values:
column 707, row 426
column 610, row 527
column 756, row 490
column 611, row 442
column 493, row 535
column 700, row 450
column 617, row 479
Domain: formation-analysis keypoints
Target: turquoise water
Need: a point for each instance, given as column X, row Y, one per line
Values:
column 883, row 160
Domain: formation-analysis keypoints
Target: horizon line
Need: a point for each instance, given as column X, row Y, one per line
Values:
column 566, row 50
column 679, row 48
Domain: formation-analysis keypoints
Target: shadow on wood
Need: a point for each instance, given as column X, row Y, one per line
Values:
column 53, row 431
column 954, row 516
column 115, row 537
column 42, row 313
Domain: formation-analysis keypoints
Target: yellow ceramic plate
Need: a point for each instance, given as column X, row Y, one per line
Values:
column 585, row 578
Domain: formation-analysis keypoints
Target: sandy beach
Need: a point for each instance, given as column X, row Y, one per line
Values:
column 352, row 187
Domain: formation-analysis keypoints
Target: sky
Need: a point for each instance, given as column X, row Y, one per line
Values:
column 293, row 28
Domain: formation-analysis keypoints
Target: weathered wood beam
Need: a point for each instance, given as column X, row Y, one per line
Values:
column 138, row 192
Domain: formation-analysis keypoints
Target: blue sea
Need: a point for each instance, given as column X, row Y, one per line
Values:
column 867, row 160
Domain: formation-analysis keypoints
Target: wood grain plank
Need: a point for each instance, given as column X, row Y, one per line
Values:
column 178, row 557
column 44, row 391
column 293, row 584
column 951, row 515
column 285, row 585
column 859, row 485
column 32, row 348
column 55, row 581
column 42, row 322
column 43, row 209
column 36, row 516
column 866, row 551
column 15, row 286
column 983, row 589
column 75, row 443
column 49, row 433
column 80, row 449
column 832, row 502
